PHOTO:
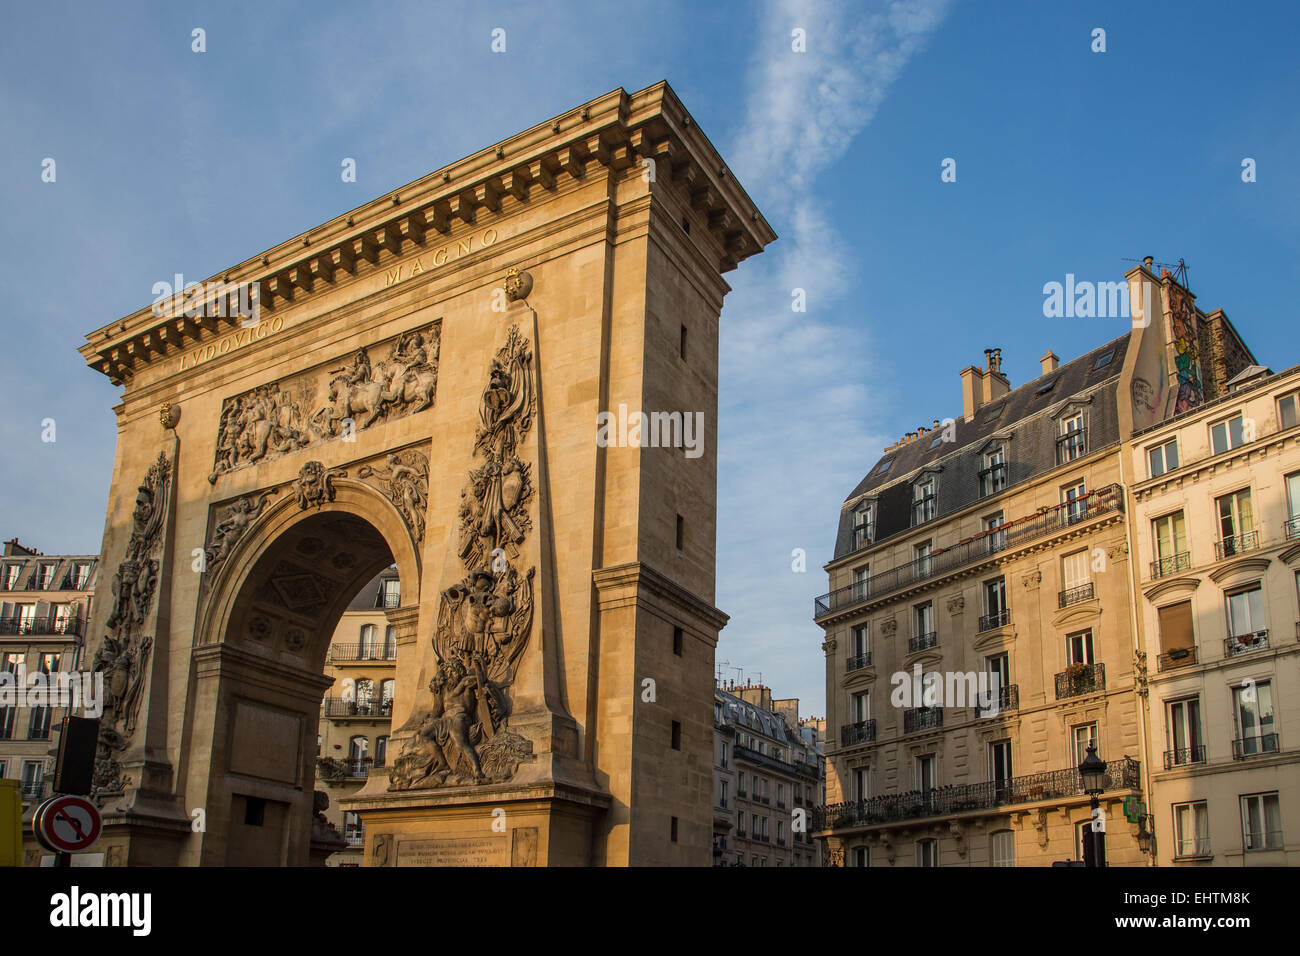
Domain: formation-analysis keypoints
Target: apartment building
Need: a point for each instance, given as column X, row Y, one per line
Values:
column 767, row 775
column 1216, row 527
column 44, row 606
column 356, row 712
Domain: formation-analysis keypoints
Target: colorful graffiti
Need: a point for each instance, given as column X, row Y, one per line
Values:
column 1187, row 359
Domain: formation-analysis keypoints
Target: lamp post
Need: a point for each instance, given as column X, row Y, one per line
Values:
column 1092, row 771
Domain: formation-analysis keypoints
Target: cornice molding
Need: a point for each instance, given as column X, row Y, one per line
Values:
column 1239, row 567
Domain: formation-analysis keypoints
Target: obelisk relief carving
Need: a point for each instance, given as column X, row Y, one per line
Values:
column 485, row 620
column 123, row 654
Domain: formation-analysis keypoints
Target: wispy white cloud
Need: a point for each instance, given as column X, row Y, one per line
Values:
column 798, row 391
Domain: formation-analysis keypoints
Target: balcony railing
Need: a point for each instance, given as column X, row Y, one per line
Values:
column 937, row 563
column 1245, row 643
column 771, row 763
column 35, row 789
column 45, row 624
column 1008, row 699
column 354, row 837
column 1122, row 774
column 1079, row 679
column 858, row 661
column 922, row 718
column 1084, row 592
column 922, row 641
column 1178, row 657
column 362, row 652
column 1291, row 527
column 989, row 622
column 1184, row 756
column 339, row 707
column 1269, row 840
column 1172, row 564
column 1244, row 747
column 1237, row 544
column 863, row 732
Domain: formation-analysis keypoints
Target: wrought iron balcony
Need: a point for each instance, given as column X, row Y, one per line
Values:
column 374, row 709
column 937, row 563
column 1172, row 564
column 34, row 790
column 1245, row 643
column 922, row 718
column 1121, row 774
column 1237, row 544
column 345, row 768
column 1079, row 679
column 362, row 652
column 1178, row 657
column 1244, row 747
column 1084, row 592
column 1008, row 699
column 863, row 732
column 45, row 624
column 1184, row 756
column 989, row 622
column 768, row 762
column 858, row 661
column 922, row 641
column 1291, row 527
column 386, row 599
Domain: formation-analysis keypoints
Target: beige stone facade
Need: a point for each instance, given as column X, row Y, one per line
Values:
column 422, row 391
column 1216, row 525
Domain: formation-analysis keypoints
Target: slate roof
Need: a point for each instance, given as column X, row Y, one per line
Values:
column 1025, row 417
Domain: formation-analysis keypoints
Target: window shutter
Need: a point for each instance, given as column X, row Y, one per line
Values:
column 1176, row 626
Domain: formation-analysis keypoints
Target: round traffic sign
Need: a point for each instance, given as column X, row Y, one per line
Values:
column 67, row 824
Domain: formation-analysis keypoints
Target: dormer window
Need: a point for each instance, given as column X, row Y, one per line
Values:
column 1073, row 441
column 12, row 573
column 862, row 525
column 993, row 476
column 923, row 500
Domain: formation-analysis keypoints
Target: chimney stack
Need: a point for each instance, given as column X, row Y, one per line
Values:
column 1050, row 362
column 979, row 387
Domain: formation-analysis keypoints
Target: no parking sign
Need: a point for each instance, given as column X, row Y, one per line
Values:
column 66, row 824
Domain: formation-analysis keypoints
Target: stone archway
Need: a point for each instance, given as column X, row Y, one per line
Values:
column 257, row 681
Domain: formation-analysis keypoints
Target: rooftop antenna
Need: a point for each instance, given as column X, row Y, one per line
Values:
column 740, row 673
column 721, row 665
column 1179, row 268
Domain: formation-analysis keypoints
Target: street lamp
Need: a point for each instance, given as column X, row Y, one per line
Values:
column 1092, row 771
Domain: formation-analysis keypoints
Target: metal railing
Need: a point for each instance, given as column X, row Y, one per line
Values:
column 1071, row 446
column 1178, row 657
column 45, row 624
column 771, row 763
column 386, row 600
column 1122, row 774
column 989, row 622
column 1084, row 592
column 1291, row 527
column 1235, row 545
column 922, row 718
column 858, row 661
column 862, row 732
column 1268, row 840
column 35, row 789
column 922, row 641
column 1245, row 643
column 1184, row 756
column 1171, row 564
column 340, row 707
column 1254, row 746
column 1079, row 679
column 362, row 652
column 1008, row 699
column 1049, row 520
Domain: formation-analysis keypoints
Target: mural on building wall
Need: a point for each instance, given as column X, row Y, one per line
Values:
column 1187, row 361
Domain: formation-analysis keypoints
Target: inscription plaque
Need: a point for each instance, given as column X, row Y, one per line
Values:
column 474, row 851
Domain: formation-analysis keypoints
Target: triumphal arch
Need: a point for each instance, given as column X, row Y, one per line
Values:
column 418, row 383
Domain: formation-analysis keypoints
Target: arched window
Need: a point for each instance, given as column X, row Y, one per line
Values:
column 358, row 747
column 367, row 648
column 1002, row 848
column 386, row 689
column 390, row 643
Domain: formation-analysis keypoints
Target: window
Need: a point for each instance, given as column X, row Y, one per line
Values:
column 367, row 649
column 681, row 532
column 861, row 856
column 998, row 667
column 677, row 641
column 386, row 690
column 64, row 616
column 1162, row 458
column 672, row 829
column 1000, row 761
column 740, row 789
column 1081, row 736
column 1046, row 386
column 923, row 501
column 358, row 748
column 1072, row 444
column 724, row 754
column 1287, row 408
column 1227, row 435
column 1261, row 822
column 861, row 783
column 995, row 603
column 365, row 690
column 862, row 529
column 997, row 539
column 352, row 831
column 1103, row 360
column 390, row 643
column 921, row 559
column 993, row 477
column 33, row 777
column 1184, row 721
column 1245, row 613
column 723, row 800
column 1176, row 634
column 1075, row 577
column 677, row 735
column 391, row 592
column 1191, row 829
column 81, row 576
column 1252, row 714
column 923, row 633
column 927, row 852
column 1236, row 523
column 925, row 772
column 1292, row 482
column 860, row 643
column 12, row 573
column 860, row 707
column 381, row 751
column 1078, row 647
column 1002, row 848
column 884, row 466
column 1075, row 499
column 681, row 346
column 860, row 586
column 47, row 576
column 26, row 614
column 1169, row 542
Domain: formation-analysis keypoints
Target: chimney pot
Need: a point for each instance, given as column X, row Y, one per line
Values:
column 1050, row 362
column 1147, row 262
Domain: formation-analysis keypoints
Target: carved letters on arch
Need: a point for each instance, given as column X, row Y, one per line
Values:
column 485, row 620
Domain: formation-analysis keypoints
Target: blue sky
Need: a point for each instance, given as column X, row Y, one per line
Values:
column 1068, row 161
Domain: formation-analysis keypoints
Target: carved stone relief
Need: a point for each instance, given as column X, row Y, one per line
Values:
column 485, row 620
column 315, row 484
column 233, row 520
column 405, row 479
column 280, row 418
